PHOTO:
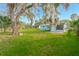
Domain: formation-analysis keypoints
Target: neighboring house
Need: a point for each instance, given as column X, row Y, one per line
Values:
column 59, row 27
column 44, row 27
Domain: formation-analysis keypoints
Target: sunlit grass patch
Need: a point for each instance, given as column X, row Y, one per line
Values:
column 35, row 42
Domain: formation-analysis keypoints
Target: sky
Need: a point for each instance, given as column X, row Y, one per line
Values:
column 64, row 14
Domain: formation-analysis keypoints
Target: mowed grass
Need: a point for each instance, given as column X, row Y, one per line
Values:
column 40, row 43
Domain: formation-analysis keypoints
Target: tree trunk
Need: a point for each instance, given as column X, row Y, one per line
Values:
column 31, row 23
column 53, row 25
column 15, row 27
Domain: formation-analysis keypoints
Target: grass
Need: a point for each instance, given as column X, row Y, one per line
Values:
column 40, row 43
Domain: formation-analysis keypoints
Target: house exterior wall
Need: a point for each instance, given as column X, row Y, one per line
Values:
column 53, row 28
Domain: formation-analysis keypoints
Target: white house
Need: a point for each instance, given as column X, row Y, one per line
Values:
column 60, row 27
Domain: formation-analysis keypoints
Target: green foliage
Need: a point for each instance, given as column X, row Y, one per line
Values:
column 56, row 5
column 74, row 25
column 5, row 22
column 30, row 6
column 76, row 22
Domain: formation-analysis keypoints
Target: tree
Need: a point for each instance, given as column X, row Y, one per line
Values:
column 5, row 22
column 52, row 13
column 74, row 16
column 1, row 22
column 76, row 23
column 15, row 10
column 30, row 15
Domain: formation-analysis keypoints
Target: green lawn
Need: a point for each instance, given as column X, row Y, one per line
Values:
column 39, row 43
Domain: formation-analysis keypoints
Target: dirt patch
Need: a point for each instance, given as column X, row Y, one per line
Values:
column 5, row 37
